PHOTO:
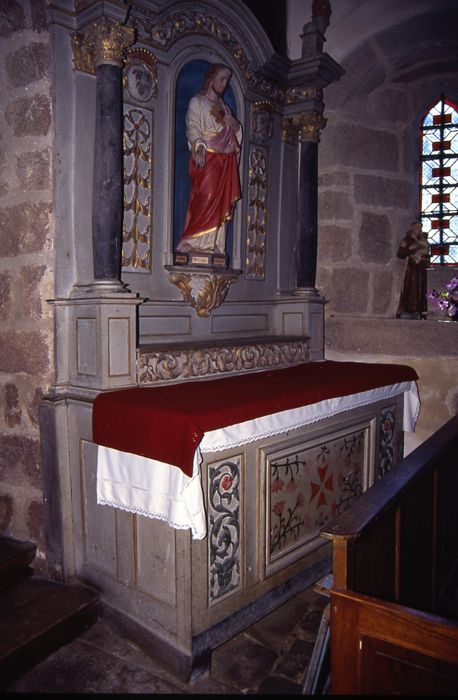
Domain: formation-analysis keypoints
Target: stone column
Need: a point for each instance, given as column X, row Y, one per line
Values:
column 309, row 125
column 110, row 41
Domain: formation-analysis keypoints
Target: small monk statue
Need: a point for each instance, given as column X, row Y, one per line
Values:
column 414, row 247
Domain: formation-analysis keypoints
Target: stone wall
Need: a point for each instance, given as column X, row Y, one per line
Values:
column 26, row 260
column 369, row 195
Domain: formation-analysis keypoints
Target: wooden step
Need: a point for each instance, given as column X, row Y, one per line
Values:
column 37, row 617
column 15, row 558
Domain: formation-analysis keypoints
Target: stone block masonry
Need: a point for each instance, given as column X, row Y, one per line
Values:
column 26, row 261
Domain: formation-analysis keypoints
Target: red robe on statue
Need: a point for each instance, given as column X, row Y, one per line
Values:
column 215, row 186
column 215, row 189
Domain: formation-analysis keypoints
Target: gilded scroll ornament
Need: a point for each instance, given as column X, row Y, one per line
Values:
column 103, row 41
column 202, row 291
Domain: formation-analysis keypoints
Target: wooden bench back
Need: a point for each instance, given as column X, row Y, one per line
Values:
column 398, row 541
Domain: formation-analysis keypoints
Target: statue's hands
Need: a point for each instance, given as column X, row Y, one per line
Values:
column 200, row 156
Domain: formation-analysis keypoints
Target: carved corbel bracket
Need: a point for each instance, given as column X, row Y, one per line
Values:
column 203, row 290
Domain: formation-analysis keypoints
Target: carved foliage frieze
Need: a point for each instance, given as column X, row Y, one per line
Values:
column 224, row 528
column 257, row 215
column 165, row 366
column 136, row 251
column 140, row 86
column 165, row 32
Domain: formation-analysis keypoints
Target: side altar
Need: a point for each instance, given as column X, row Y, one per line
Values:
column 212, row 494
column 195, row 439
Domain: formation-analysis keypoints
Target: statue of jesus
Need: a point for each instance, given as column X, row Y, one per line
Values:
column 214, row 138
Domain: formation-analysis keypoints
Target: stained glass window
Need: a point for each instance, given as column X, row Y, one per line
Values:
column 439, row 181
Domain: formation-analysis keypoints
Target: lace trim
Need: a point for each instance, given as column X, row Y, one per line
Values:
column 306, row 420
column 157, row 516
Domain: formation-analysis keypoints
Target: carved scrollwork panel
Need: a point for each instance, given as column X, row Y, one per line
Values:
column 165, row 366
column 224, row 529
column 387, row 446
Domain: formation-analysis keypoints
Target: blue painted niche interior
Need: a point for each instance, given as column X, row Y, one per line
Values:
column 189, row 81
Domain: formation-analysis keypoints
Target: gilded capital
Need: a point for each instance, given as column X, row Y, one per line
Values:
column 111, row 41
column 103, row 41
column 309, row 125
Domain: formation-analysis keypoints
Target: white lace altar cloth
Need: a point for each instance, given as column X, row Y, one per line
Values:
column 162, row 491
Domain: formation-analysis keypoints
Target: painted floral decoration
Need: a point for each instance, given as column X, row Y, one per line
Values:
column 446, row 299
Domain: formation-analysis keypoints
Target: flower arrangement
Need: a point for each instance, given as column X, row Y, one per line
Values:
column 446, row 299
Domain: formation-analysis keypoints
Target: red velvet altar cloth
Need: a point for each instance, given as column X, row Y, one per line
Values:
column 167, row 423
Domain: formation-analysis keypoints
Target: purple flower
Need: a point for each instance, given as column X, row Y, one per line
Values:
column 446, row 299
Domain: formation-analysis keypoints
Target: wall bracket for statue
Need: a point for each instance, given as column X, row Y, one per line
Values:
column 204, row 290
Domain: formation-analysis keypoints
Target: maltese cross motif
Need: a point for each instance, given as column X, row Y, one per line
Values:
column 325, row 484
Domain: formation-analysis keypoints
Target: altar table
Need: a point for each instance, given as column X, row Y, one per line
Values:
column 151, row 439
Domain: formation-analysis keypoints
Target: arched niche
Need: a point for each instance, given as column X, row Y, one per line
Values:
column 188, row 82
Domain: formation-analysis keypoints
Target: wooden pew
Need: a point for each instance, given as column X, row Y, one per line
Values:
column 394, row 599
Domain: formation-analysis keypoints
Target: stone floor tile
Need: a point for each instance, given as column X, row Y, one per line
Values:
column 268, row 658
column 241, row 663
column 273, row 629
column 293, row 664
column 307, row 626
column 75, row 671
